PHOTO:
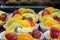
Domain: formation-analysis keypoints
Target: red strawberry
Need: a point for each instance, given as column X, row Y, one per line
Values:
column 54, row 32
column 45, row 12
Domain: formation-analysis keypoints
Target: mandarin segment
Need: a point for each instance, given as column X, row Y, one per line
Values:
column 24, row 36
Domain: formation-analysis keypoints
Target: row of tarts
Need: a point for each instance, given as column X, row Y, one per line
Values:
column 21, row 24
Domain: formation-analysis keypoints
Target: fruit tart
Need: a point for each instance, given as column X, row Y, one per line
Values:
column 53, row 33
column 48, row 17
column 26, row 13
column 34, row 35
column 18, row 25
column 3, row 17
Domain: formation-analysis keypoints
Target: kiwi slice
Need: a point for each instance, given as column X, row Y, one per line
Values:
column 29, row 11
column 56, row 12
column 11, row 20
column 45, row 18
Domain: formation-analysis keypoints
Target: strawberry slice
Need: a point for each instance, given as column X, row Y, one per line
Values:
column 54, row 32
column 45, row 12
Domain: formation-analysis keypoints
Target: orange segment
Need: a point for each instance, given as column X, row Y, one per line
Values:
column 21, row 10
column 24, row 23
column 17, row 16
column 48, row 21
column 24, row 36
column 50, row 9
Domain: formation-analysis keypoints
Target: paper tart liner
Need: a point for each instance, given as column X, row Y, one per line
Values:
column 44, row 28
column 12, row 14
column 48, row 38
column 45, row 35
column 39, row 15
column 42, row 37
column 2, row 36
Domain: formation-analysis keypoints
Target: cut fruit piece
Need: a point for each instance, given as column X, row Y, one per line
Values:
column 21, row 10
column 8, row 29
column 3, row 17
column 57, row 26
column 45, row 12
column 11, row 20
column 11, row 36
column 57, row 19
column 54, row 32
column 36, row 34
column 24, row 36
column 28, row 11
column 30, row 19
column 17, row 16
column 29, row 15
column 48, row 21
column 50, row 9
column 32, row 23
column 24, row 23
column 55, row 14
column 15, row 12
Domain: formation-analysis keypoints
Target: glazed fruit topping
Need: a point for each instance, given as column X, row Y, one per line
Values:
column 36, row 34
column 57, row 18
column 30, row 19
column 32, row 23
column 15, row 12
column 45, row 12
column 24, row 18
column 54, row 32
column 11, row 36
column 3, row 17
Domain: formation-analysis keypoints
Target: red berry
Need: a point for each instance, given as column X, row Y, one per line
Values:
column 32, row 23
column 11, row 36
column 45, row 12
column 15, row 12
column 56, row 18
column 54, row 32
column 30, row 19
column 36, row 34
column 3, row 17
column 24, row 18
